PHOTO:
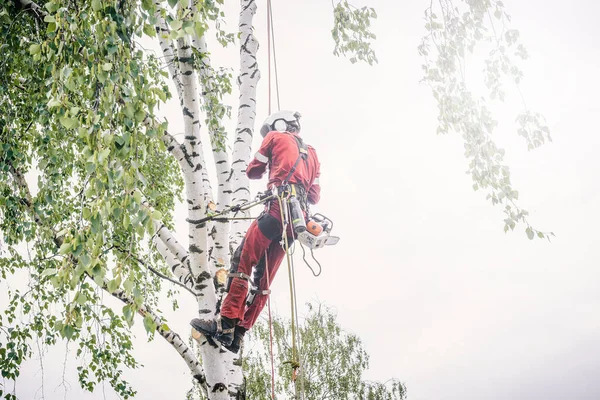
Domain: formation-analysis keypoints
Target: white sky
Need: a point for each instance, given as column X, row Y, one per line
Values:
column 442, row 298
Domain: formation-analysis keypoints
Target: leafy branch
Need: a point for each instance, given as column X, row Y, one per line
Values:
column 454, row 31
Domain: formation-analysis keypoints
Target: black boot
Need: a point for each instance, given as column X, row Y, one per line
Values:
column 238, row 338
column 220, row 329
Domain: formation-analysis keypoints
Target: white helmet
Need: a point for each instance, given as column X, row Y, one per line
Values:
column 283, row 121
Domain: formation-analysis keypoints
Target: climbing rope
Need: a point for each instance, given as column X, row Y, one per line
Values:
column 296, row 362
column 295, row 304
column 271, row 38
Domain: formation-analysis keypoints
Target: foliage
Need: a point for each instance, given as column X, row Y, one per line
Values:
column 454, row 31
column 352, row 32
column 85, row 173
column 77, row 99
column 333, row 361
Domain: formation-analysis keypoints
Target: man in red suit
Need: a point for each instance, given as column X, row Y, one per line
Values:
column 290, row 162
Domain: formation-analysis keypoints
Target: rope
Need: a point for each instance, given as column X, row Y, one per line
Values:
column 269, row 48
column 274, row 56
column 296, row 363
column 296, row 309
column 270, row 328
column 271, row 38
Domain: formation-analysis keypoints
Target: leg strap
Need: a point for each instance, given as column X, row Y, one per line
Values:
column 261, row 292
column 240, row 275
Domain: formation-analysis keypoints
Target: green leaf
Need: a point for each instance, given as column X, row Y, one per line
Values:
column 53, row 102
column 81, row 298
column 126, row 220
column 107, row 66
column 176, row 24
column 173, row 3
column 48, row 272
column 85, row 260
column 64, row 248
column 96, row 5
column 102, row 155
column 140, row 116
column 51, row 6
column 49, row 18
column 137, row 196
column 114, row 284
column 128, row 110
column 149, row 323
column 128, row 314
column 149, row 30
column 34, row 48
column 157, row 214
column 199, row 29
column 68, row 331
column 128, row 285
column 529, row 232
column 68, row 123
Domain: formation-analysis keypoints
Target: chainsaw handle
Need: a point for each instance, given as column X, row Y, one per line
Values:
column 324, row 221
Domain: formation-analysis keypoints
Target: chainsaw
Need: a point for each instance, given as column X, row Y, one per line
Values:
column 318, row 232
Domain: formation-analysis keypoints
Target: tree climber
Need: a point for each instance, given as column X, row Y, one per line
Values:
column 293, row 166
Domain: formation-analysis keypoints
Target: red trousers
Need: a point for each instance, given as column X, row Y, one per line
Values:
column 262, row 238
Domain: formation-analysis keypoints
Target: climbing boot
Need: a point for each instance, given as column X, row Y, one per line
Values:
column 220, row 329
column 238, row 339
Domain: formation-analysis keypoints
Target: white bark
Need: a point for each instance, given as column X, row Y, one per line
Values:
column 219, row 235
column 168, row 48
column 223, row 378
column 242, row 147
column 167, row 237
column 178, row 268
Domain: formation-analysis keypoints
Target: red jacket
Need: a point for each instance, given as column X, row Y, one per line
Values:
column 279, row 151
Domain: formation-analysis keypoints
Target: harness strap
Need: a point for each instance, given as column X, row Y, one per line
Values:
column 240, row 275
column 302, row 155
column 261, row 292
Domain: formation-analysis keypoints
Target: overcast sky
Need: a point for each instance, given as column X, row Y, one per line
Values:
column 424, row 274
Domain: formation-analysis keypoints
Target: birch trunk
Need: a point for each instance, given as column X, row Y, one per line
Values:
column 210, row 245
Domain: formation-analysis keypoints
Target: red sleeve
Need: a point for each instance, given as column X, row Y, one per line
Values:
column 314, row 193
column 258, row 165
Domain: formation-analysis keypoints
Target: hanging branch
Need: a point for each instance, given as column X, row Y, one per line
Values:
column 453, row 33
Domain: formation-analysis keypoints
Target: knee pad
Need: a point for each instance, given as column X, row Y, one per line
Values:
column 269, row 226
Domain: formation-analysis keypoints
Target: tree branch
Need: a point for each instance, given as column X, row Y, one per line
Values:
column 32, row 7
column 167, row 237
column 171, row 337
column 168, row 48
column 181, row 271
column 174, row 147
column 154, row 271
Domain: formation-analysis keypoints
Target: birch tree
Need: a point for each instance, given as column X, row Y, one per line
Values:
column 333, row 360
column 90, row 176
